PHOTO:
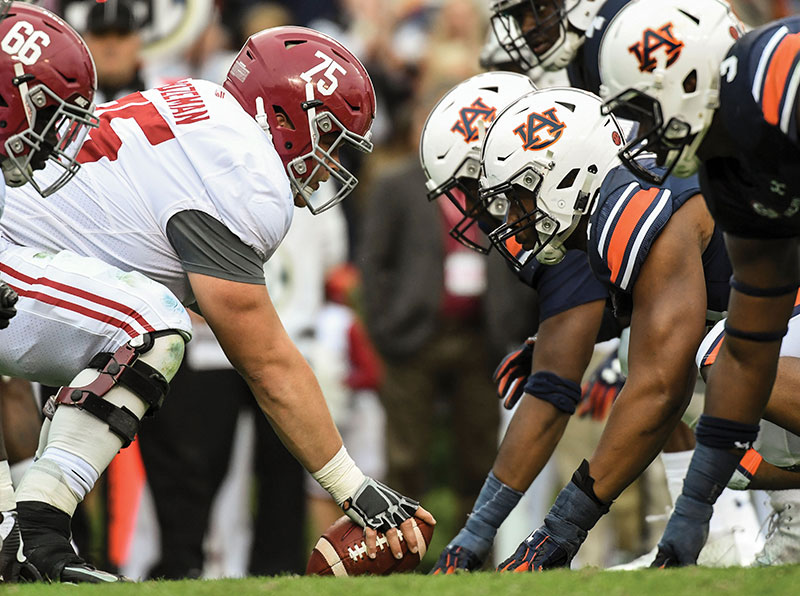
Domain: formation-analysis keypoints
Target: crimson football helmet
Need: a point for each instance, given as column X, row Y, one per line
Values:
column 323, row 92
column 47, row 86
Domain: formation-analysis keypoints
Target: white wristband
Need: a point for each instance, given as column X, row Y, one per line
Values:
column 340, row 476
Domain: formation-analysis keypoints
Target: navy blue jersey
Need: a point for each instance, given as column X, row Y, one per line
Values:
column 755, row 192
column 563, row 286
column 629, row 217
column 584, row 70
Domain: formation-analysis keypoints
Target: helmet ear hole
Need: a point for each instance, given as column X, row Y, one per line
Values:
column 283, row 118
column 690, row 82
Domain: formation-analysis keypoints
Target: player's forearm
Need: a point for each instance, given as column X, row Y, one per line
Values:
column 769, row 477
column 637, row 429
column 289, row 395
column 531, row 438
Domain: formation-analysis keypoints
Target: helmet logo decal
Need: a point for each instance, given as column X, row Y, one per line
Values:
column 652, row 41
column 240, row 71
column 331, row 67
column 528, row 131
column 469, row 115
column 24, row 43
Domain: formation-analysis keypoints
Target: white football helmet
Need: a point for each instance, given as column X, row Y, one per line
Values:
column 450, row 149
column 545, row 33
column 547, row 154
column 660, row 65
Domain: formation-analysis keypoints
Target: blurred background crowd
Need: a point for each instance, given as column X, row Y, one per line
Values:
column 402, row 325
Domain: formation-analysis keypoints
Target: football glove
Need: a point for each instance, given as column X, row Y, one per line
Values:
column 602, row 388
column 512, row 373
column 379, row 507
column 8, row 298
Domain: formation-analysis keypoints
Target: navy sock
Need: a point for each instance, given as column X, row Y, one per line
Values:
column 494, row 503
column 687, row 529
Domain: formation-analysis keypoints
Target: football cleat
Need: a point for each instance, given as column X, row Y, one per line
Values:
column 538, row 552
column 456, row 559
column 782, row 545
column 46, row 535
column 14, row 567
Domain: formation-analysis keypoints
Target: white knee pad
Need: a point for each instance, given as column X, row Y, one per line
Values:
column 78, row 444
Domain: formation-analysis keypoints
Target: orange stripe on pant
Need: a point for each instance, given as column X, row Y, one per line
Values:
column 777, row 74
column 621, row 234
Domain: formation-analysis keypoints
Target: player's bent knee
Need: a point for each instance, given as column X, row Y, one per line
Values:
column 126, row 385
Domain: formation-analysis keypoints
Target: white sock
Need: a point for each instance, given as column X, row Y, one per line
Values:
column 79, row 447
column 7, row 502
column 675, row 466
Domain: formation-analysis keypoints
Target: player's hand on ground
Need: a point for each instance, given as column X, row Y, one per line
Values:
column 378, row 508
column 8, row 298
column 512, row 373
column 602, row 388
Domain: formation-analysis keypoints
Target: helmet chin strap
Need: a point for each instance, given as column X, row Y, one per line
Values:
column 311, row 109
column 22, row 85
column 688, row 163
column 261, row 116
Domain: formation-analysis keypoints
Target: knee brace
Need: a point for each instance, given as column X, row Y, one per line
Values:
column 562, row 393
column 143, row 366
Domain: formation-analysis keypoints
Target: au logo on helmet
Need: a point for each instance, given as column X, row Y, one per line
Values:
column 529, row 131
column 652, row 41
column 469, row 115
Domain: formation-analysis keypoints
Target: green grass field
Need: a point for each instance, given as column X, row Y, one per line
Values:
column 695, row 581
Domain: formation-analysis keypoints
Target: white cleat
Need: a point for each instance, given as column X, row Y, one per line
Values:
column 782, row 545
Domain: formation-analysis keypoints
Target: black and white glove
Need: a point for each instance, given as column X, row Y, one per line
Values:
column 379, row 507
column 8, row 298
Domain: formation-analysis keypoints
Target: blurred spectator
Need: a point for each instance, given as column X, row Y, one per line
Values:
column 260, row 16
column 350, row 370
column 425, row 311
column 758, row 12
column 112, row 35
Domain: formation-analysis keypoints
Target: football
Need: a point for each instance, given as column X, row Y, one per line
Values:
column 341, row 551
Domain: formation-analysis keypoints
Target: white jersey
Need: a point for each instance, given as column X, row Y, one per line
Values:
column 184, row 146
column 776, row 445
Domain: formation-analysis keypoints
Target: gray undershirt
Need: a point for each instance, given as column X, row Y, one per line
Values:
column 205, row 246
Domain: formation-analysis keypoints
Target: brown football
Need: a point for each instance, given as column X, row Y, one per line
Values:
column 341, row 551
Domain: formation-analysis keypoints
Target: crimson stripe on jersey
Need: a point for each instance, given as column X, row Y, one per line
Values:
column 43, row 281
column 82, row 310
